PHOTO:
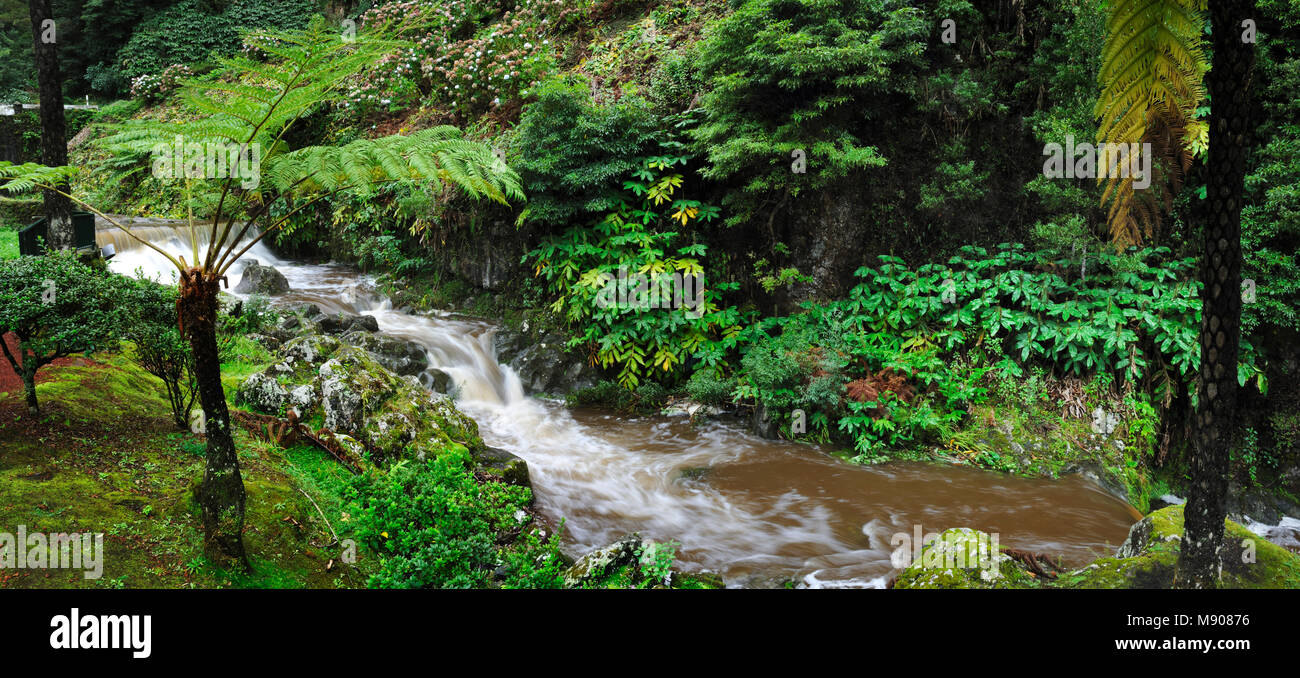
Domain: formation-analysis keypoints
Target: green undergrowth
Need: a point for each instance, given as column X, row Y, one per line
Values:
column 1249, row 561
column 104, row 457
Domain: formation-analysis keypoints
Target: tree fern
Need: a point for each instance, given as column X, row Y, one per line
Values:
column 1151, row 78
column 257, row 97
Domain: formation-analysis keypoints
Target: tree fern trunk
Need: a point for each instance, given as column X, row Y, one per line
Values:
column 1200, row 559
column 222, row 493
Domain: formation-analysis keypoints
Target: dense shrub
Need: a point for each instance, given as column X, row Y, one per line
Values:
column 190, row 30
column 151, row 325
column 56, row 306
column 881, row 367
column 793, row 76
column 706, row 387
column 572, row 153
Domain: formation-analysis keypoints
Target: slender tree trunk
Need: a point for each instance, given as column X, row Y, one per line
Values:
column 1200, row 559
column 222, row 493
column 29, row 383
column 54, row 138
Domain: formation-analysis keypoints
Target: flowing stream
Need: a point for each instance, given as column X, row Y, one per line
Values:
column 757, row 511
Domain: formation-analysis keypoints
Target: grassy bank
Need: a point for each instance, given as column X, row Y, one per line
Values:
column 104, row 456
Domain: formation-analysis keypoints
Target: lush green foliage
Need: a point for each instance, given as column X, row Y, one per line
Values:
column 571, row 152
column 789, row 77
column 191, row 31
column 623, row 284
column 8, row 243
column 941, row 327
column 434, row 525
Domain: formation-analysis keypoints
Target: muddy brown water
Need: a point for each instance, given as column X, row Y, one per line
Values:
column 757, row 511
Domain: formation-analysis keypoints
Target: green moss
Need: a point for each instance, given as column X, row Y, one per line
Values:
column 104, row 457
column 963, row 558
column 1250, row 562
column 8, row 244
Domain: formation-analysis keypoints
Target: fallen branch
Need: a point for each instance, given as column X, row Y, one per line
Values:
column 322, row 516
column 284, row 432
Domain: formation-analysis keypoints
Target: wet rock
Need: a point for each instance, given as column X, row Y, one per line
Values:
column 341, row 323
column 618, row 564
column 762, row 423
column 259, row 279
column 301, row 318
column 509, row 467
column 1098, row 474
column 435, row 379
column 262, row 392
column 543, row 363
column 402, row 356
column 1245, row 505
column 963, row 558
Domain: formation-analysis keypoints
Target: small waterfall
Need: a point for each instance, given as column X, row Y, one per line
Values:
column 176, row 237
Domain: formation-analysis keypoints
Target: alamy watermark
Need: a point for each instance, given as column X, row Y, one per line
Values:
column 643, row 292
column 208, row 160
column 65, row 551
column 963, row 550
column 1086, row 161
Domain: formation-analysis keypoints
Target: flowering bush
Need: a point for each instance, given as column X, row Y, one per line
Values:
column 454, row 60
column 153, row 86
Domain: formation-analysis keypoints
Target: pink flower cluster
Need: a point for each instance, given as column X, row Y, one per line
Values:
column 472, row 74
column 156, row 85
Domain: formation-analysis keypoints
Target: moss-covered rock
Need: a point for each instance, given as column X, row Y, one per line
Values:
column 347, row 390
column 403, row 356
column 964, row 558
column 262, row 392
column 352, row 387
column 633, row 562
column 299, row 359
column 509, row 467
column 1147, row 558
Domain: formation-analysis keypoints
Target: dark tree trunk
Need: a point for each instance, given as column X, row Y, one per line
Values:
column 222, row 493
column 54, row 138
column 1200, row 558
column 29, row 384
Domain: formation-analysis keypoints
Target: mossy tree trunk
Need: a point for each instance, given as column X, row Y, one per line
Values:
column 222, row 492
column 1200, row 557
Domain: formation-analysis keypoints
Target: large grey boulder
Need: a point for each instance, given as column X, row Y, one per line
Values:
column 543, row 363
column 263, row 393
column 402, row 356
column 259, row 279
column 341, row 323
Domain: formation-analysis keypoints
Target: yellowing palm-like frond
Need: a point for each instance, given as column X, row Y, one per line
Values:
column 1151, row 76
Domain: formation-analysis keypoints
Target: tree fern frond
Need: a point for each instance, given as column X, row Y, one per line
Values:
column 1153, row 65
